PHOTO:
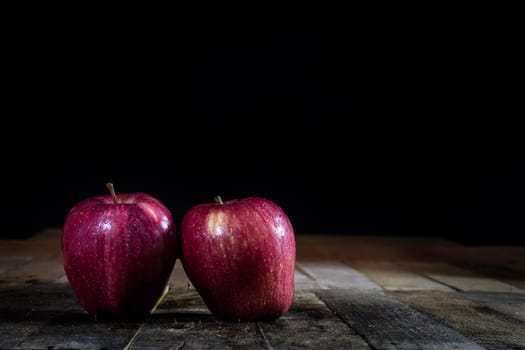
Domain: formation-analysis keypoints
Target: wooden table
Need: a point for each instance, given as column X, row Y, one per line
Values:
column 352, row 292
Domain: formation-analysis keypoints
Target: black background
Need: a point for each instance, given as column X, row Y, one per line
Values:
column 355, row 121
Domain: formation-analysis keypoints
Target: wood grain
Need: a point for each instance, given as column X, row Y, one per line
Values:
column 386, row 323
column 508, row 273
column 459, row 278
column 309, row 324
column 38, row 270
column 487, row 327
column 182, row 319
column 303, row 281
column 351, row 292
column 511, row 304
column 392, row 277
column 334, row 274
column 75, row 330
column 24, row 309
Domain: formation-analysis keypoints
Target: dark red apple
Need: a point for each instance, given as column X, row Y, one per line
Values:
column 119, row 252
column 240, row 256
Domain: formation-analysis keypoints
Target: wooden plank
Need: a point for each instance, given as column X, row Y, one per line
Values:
column 9, row 248
column 49, row 317
column 38, row 270
column 459, row 278
column 328, row 239
column 511, row 304
column 54, row 234
column 70, row 327
column 309, row 324
column 158, row 334
column 303, row 281
column 74, row 330
column 346, row 252
column 350, row 247
column 178, row 278
column 184, row 303
column 162, row 333
column 499, row 254
column 385, row 323
column 61, row 280
column 501, row 272
column 39, row 310
column 483, row 325
column 9, row 263
column 390, row 252
column 392, row 277
column 45, row 243
column 334, row 274
column 37, row 313
column 25, row 309
column 183, row 320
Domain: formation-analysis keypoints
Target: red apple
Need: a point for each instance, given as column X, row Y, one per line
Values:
column 119, row 252
column 240, row 256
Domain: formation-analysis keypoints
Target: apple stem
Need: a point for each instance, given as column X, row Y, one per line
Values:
column 111, row 189
column 218, row 200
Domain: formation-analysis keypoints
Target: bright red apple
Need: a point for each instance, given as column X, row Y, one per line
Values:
column 240, row 256
column 119, row 252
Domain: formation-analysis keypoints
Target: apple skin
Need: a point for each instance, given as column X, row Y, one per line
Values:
column 118, row 256
column 240, row 256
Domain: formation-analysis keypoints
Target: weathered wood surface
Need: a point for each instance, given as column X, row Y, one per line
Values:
column 512, row 274
column 460, row 278
column 352, row 292
column 483, row 324
column 310, row 324
column 511, row 304
column 388, row 324
column 41, row 270
column 9, row 263
column 392, row 277
column 333, row 274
